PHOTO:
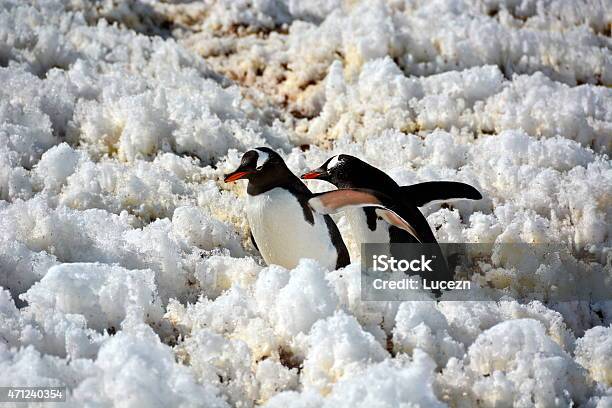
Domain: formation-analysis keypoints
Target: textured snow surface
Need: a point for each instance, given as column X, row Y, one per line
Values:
column 126, row 271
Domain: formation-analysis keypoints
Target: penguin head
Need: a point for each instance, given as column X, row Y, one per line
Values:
column 346, row 171
column 261, row 166
column 338, row 170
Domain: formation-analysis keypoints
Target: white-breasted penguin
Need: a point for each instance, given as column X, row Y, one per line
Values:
column 349, row 172
column 380, row 211
column 283, row 226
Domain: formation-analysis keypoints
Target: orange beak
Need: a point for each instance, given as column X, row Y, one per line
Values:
column 237, row 175
column 311, row 175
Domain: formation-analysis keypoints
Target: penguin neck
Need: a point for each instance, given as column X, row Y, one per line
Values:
column 280, row 177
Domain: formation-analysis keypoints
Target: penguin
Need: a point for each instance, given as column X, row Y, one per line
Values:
column 396, row 215
column 380, row 211
column 282, row 225
column 349, row 172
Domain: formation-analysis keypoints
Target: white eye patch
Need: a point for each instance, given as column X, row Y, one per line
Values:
column 261, row 159
column 333, row 162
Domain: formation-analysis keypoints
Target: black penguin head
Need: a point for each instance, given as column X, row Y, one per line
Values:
column 340, row 170
column 346, row 171
column 262, row 167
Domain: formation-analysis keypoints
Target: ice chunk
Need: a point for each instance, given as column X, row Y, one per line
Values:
column 57, row 164
column 131, row 364
column 389, row 384
column 593, row 352
column 517, row 354
column 103, row 294
column 335, row 348
column 223, row 363
column 294, row 300
column 419, row 324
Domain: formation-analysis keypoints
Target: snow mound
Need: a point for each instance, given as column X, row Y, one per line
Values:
column 385, row 384
column 337, row 347
column 421, row 325
column 103, row 294
column 517, row 355
column 593, row 351
column 389, row 385
column 138, row 365
column 294, row 301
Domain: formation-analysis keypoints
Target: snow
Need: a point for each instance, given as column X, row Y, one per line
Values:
column 103, row 294
column 294, row 300
column 420, row 325
column 389, row 384
column 517, row 355
column 337, row 348
column 126, row 269
column 135, row 361
column 593, row 351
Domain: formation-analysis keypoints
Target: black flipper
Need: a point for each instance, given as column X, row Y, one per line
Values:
column 424, row 193
column 343, row 254
column 253, row 240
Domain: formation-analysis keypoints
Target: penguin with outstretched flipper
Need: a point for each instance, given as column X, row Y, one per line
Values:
column 345, row 171
column 380, row 211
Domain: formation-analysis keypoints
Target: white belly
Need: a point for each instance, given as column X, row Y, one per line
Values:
column 360, row 230
column 283, row 235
